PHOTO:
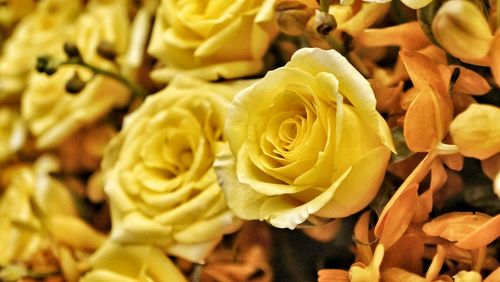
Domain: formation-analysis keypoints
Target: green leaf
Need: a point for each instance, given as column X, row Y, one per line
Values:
column 425, row 16
column 400, row 144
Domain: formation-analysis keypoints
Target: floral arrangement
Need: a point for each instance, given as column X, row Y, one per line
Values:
column 250, row 140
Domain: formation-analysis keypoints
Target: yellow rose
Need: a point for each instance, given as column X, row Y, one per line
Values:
column 12, row 132
column 304, row 142
column 211, row 39
column 118, row 263
column 42, row 32
column 158, row 171
column 53, row 114
column 34, row 209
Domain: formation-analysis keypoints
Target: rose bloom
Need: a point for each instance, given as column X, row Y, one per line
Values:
column 305, row 143
column 158, row 171
column 211, row 39
column 52, row 113
column 44, row 30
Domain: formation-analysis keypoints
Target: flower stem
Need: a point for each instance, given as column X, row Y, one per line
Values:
column 324, row 6
column 136, row 89
column 446, row 149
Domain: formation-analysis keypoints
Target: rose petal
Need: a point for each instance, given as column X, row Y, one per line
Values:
column 353, row 86
column 368, row 167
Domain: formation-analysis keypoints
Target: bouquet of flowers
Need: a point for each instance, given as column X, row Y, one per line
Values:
column 250, row 140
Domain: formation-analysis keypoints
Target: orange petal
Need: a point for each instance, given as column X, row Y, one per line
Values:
column 494, row 276
column 333, row 275
column 361, row 234
column 408, row 36
column 397, row 274
column 423, row 72
column 491, row 166
column 436, row 264
column 453, row 161
column 470, row 82
column 425, row 201
column 482, row 235
column 420, row 128
column 495, row 57
column 398, row 217
column 407, row 253
column 399, row 199
column 429, row 115
column 455, row 226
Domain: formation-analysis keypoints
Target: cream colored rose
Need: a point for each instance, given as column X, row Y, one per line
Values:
column 209, row 39
column 37, row 214
column 114, row 262
column 12, row 132
column 305, row 142
column 42, row 32
column 52, row 113
column 159, row 177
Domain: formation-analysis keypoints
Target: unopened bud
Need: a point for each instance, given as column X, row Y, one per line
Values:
column 106, row 50
column 467, row 276
column 324, row 23
column 41, row 63
column 75, row 84
column 475, row 131
column 461, row 28
column 293, row 16
column 71, row 50
column 51, row 69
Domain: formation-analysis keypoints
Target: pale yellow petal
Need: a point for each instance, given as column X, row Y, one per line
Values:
column 476, row 131
column 461, row 28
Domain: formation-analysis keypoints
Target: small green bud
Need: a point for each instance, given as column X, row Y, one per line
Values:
column 107, row 50
column 75, row 84
column 50, row 70
column 41, row 63
column 71, row 50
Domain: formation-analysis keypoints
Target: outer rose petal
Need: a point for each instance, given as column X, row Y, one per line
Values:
column 342, row 203
column 243, row 200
